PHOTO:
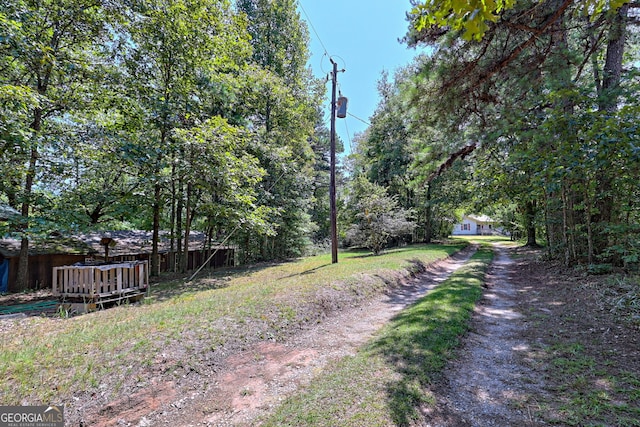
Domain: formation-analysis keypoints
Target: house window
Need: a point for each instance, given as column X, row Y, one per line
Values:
column 466, row 227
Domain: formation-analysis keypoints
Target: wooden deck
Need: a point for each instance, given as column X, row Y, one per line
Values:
column 101, row 283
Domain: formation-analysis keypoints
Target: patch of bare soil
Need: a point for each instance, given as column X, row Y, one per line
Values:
column 585, row 343
column 250, row 383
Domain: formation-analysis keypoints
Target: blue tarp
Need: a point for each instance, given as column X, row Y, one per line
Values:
column 4, row 276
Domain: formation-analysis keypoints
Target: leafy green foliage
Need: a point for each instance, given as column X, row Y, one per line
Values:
column 281, row 102
column 377, row 217
column 173, row 114
column 552, row 118
column 470, row 16
column 223, row 174
column 473, row 17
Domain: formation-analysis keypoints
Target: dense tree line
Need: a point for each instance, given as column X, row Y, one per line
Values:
column 202, row 114
column 527, row 108
column 161, row 115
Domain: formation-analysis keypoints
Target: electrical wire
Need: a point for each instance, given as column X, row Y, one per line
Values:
column 358, row 118
column 346, row 126
column 314, row 29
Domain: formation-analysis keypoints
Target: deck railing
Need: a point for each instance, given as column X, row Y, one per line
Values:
column 100, row 281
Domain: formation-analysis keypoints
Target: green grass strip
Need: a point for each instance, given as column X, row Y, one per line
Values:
column 49, row 360
column 387, row 382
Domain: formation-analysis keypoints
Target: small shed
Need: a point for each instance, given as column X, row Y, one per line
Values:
column 44, row 255
column 89, row 248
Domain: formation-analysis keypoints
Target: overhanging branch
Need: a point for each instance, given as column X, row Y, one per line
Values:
column 460, row 154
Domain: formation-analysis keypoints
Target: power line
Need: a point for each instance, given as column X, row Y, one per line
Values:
column 314, row 30
column 358, row 118
column 346, row 126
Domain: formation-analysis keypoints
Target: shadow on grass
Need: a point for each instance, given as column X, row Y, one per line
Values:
column 173, row 285
column 309, row 271
column 175, row 288
column 423, row 338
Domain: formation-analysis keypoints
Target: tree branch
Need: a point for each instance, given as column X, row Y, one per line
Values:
column 515, row 52
column 460, row 154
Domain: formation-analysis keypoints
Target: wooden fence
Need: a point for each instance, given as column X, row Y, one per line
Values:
column 101, row 282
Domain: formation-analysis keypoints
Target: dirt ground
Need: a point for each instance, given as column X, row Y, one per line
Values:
column 534, row 318
column 249, row 384
column 548, row 346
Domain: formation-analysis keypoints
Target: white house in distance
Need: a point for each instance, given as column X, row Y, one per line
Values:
column 476, row 225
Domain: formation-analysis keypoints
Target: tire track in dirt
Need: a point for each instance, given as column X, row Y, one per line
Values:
column 251, row 384
column 488, row 385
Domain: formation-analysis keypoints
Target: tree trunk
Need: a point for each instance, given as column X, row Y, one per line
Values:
column 428, row 228
column 155, row 258
column 179, row 209
column 172, row 220
column 530, row 211
column 22, row 278
column 608, row 102
column 187, row 230
column 587, row 207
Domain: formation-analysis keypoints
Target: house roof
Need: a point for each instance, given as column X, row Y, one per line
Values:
column 481, row 218
column 132, row 242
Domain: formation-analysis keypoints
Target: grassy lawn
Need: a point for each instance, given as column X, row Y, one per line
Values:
column 387, row 383
column 184, row 326
column 486, row 240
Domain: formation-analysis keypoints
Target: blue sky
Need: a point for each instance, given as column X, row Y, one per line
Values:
column 362, row 36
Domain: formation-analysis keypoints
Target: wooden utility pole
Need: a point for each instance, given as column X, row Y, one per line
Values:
column 332, row 182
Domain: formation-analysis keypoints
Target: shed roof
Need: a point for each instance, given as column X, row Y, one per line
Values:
column 7, row 212
column 10, row 246
column 129, row 242
column 134, row 242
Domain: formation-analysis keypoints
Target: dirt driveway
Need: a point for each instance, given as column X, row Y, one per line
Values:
column 251, row 383
column 498, row 379
column 488, row 384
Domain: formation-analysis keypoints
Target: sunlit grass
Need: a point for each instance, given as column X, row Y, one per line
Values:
column 486, row 240
column 592, row 392
column 387, row 382
column 48, row 360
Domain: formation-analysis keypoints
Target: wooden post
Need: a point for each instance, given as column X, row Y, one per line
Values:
column 54, row 284
column 332, row 182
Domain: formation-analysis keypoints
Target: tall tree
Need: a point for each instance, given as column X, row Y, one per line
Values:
column 283, row 101
column 175, row 51
column 50, row 54
column 221, row 177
